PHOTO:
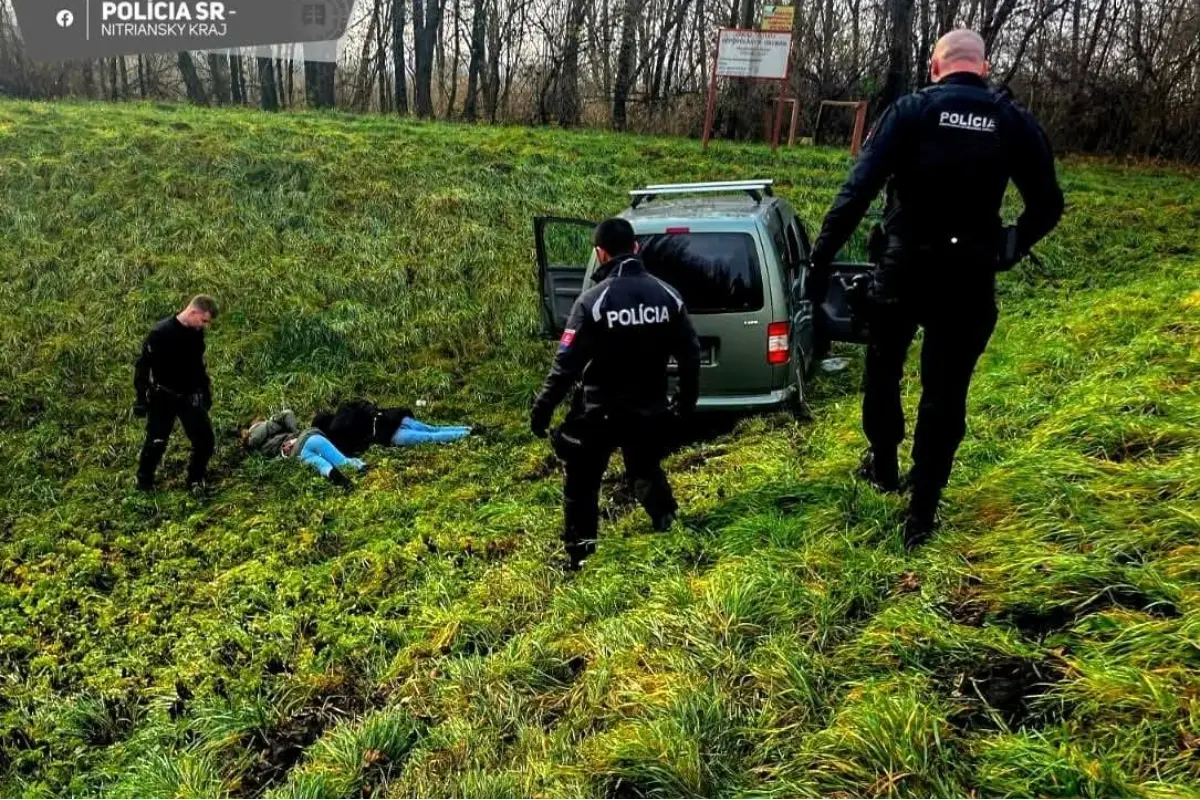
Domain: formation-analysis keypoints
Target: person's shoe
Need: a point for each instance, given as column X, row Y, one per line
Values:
column 358, row 464
column 920, row 520
column 665, row 523
column 337, row 478
column 577, row 555
column 881, row 472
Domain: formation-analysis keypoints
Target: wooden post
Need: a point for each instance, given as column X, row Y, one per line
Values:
column 710, row 111
column 795, row 122
column 778, row 118
column 860, row 124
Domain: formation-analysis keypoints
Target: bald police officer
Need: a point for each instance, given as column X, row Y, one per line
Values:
column 621, row 334
column 947, row 154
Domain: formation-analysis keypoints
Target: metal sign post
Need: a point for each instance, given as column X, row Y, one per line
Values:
column 757, row 56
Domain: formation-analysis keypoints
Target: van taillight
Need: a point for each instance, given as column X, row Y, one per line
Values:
column 777, row 342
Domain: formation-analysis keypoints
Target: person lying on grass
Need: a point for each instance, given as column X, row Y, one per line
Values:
column 280, row 437
column 358, row 424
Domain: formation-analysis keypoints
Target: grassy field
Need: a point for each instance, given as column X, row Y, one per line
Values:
column 411, row 638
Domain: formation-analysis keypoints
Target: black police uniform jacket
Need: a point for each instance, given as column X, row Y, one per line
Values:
column 171, row 365
column 618, row 341
column 947, row 154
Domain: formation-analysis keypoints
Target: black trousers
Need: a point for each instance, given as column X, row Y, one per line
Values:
column 956, row 334
column 585, row 447
column 160, row 421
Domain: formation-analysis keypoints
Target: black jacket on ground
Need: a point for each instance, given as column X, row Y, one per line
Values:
column 947, row 154
column 357, row 425
column 619, row 339
column 172, row 359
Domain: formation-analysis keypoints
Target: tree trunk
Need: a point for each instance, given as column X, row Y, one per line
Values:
column 280, row 83
column 456, row 53
column 141, row 76
column 569, row 106
column 89, row 80
column 381, row 59
column 747, row 18
column 312, row 94
column 124, row 77
column 237, row 79
column 218, row 66
column 269, row 93
column 195, row 89
column 398, row 11
column 478, row 32
column 113, row 86
column 899, row 48
column 328, row 74
column 427, row 21
column 491, row 93
column 440, row 50
column 624, row 79
column 319, row 84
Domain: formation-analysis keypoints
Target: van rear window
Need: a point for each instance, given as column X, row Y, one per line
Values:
column 714, row 272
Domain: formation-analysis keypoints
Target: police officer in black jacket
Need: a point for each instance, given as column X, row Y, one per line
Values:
column 947, row 154
column 617, row 344
column 171, row 382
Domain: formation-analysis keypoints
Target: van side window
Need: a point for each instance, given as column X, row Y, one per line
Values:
column 780, row 243
column 793, row 246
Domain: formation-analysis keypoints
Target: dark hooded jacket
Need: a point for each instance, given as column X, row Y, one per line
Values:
column 357, row 425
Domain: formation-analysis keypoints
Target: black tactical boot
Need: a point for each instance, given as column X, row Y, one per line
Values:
column 578, row 553
column 921, row 520
column 664, row 523
column 337, row 478
column 881, row 470
column 145, row 484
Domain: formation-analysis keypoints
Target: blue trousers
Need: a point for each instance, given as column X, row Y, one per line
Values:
column 413, row 431
column 320, row 454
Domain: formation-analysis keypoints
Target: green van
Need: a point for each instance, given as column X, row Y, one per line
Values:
column 739, row 256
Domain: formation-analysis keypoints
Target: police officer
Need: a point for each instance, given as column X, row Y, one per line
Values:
column 171, row 382
column 617, row 344
column 947, row 154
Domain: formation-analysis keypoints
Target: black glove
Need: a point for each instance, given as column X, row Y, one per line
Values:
column 1010, row 256
column 816, row 284
column 141, row 405
column 678, row 411
column 539, row 420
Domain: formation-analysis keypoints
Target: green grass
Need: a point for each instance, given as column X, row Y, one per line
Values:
column 280, row 638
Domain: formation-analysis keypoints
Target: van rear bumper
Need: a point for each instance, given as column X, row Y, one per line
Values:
column 746, row 402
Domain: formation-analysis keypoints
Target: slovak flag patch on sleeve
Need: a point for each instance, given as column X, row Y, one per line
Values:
column 567, row 338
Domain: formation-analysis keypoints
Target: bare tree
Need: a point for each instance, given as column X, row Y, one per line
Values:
column 624, row 79
column 399, row 63
column 218, row 67
column 269, row 94
column 195, row 89
column 427, row 21
column 476, row 66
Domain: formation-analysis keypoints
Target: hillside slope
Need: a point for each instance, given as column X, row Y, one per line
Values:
column 411, row 639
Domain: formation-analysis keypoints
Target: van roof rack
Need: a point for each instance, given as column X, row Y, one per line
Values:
column 757, row 189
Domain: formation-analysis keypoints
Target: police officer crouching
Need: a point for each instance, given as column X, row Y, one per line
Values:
column 947, row 154
column 618, row 340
